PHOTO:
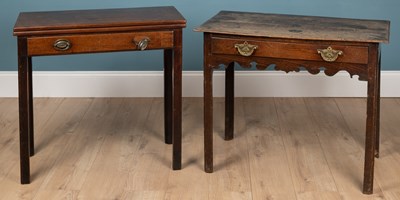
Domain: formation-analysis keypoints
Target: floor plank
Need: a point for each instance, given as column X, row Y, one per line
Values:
column 269, row 167
column 344, row 156
column 284, row 148
column 231, row 177
column 310, row 172
column 59, row 131
column 119, row 155
column 8, row 130
column 153, row 158
column 354, row 112
column 82, row 146
column 191, row 182
column 44, row 110
column 388, row 165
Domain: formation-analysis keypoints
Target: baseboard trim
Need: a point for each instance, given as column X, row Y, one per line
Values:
column 150, row 84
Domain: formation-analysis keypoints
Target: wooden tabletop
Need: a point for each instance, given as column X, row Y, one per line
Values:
column 44, row 22
column 297, row 27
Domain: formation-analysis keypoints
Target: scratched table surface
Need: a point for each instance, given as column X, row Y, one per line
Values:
column 296, row 26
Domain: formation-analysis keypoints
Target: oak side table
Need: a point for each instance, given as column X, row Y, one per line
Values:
column 291, row 42
column 94, row 31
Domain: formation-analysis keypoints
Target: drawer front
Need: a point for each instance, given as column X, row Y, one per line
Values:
column 108, row 42
column 290, row 50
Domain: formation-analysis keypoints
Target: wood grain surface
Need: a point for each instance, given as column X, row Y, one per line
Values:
column 296, row 26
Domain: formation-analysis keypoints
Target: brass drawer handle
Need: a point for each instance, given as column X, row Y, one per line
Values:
column 246, row 49
column 329, row 54
column 62, row 45
column 142, row 44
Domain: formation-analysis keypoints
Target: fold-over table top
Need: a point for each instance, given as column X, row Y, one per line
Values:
column 297, row 27
column 54, row 22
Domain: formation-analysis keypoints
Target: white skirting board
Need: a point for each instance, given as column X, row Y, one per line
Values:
column 150, row 84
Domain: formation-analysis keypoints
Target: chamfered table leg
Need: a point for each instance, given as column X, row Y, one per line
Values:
column 177, row 101
column 378, row 78
column 229, row 100
column 208, row 119
column 23, row 97
column 30, row 109
column 168, row 96
column 372, row 119
column 208, row 106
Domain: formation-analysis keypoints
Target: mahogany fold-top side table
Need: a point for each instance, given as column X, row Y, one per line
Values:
column 94, row 31
column 290, row 42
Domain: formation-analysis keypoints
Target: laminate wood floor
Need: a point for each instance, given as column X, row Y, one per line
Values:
column 284, row 149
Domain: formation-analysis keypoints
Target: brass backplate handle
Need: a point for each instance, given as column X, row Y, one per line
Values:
column 246, row 49
column 142, row 44
column 329, row 54
column 62, row 45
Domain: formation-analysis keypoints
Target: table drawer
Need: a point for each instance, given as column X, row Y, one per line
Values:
column 89, row 43
column 289, row 50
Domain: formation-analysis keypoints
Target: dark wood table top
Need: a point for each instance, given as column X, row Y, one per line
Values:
column 49, row 22
column 297, row 27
